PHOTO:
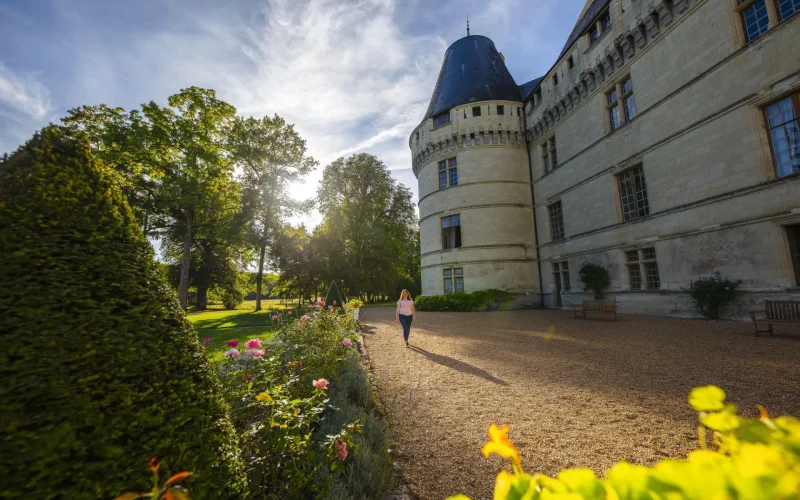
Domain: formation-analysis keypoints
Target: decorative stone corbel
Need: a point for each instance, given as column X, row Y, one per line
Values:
column 575, row 93
column 639, row 34
column 598, row 72
column 681, row 6
column 664, row 12
column 627, row 46
column 588, row 79
column 608, row 63
column 651, row 23
column 562, row 106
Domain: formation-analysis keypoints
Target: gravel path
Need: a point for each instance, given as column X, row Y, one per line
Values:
column 576, row 393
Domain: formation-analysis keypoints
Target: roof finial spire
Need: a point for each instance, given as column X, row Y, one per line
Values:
column 467, row 25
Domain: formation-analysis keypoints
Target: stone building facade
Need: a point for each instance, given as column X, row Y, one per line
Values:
column 663, row 145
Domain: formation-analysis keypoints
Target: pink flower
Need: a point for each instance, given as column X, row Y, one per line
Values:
column 233, row 353
column 330, row 308
column 290, row 313
column 311, row 306
column 233, row 343
column 254, row 353
column 207, row 340
column 342, row 447
column 320, row 384
column 316, row 314
column 334, row 302
column 347, row 342
column 253, row 343
column 251, row 377
column 321, row 303
column 274, row 318
column 305, row 317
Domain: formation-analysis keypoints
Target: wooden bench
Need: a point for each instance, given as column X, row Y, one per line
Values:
column 607, row 307
column 776, row 311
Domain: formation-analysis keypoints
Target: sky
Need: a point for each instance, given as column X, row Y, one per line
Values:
column 351, row 75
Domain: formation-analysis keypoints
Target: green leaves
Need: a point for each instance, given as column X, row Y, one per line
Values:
column 707, row 398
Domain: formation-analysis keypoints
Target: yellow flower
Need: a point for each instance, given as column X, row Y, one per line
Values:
column 499, row 444
column 264, row 398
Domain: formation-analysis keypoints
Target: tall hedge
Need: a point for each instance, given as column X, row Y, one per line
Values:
column 99, row 369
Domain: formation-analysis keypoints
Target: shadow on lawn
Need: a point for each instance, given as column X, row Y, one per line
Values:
column 458, row 365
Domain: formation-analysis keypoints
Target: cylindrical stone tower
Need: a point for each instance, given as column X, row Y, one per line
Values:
column 469, row 156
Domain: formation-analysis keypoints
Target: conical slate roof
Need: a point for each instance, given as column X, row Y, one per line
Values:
column 472, row 71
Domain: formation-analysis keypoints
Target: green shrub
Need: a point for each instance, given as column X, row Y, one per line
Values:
column 100, row 369
column 481, row 300
column 595, row 278
column 709, row 294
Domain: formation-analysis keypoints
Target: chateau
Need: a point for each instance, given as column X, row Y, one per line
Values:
column 663, row 145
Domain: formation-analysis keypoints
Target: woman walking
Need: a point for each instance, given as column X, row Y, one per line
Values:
column 405, row 313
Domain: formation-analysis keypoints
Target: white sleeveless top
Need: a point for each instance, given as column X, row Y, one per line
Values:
column 405, row 307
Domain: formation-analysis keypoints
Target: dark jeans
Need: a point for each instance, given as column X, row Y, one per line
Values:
column 406, row 322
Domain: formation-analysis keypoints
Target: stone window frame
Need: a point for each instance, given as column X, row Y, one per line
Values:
column 440, row 123
column 501, row 109
column 537, row 97
column 555, row 214
column 623, row 104
column 637, row 199
column 794, row 99
column 642, row 266
column 775, row 16
column 548, row 152
column 598, row 27
column 476, row 111
column 452, row 275
column 450, row 172
column 570, row 62
column 561, row 268
column 451, row 238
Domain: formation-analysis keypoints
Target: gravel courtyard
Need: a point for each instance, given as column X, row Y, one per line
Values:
column 576, row 393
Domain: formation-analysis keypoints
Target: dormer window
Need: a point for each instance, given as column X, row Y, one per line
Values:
column 441, row 119
column 570, row 62
column 555, row 79
column 605, row 21
column 537, row 97
column 594, row 34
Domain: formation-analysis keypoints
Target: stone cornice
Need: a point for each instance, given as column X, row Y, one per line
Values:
column 456, row 142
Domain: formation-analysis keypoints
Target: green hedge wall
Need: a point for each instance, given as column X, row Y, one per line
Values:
column 100, row 369
column 481, row 300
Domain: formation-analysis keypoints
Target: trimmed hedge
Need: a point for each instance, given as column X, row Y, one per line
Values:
column 481, row 300
column 97, row 380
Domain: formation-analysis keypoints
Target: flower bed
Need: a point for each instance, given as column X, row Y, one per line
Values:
column 302, row 406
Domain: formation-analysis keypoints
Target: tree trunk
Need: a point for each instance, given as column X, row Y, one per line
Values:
column 201, row 303
column 260, row 276
column 183, row 288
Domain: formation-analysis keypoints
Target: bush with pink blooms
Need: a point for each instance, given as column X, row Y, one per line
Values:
column 302, row 404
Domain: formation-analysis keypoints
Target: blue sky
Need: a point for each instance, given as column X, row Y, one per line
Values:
column 351, row 75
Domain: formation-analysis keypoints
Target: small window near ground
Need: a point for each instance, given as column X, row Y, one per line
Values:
column 453, row 279
column 643, row 269
column 476, row 111
column 793, row 232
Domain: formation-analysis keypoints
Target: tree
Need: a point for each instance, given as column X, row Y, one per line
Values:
column 368, row 223
column 293, row 255
column 272, row 156
column 100, row 368
column 187, row 141
column 594, row 278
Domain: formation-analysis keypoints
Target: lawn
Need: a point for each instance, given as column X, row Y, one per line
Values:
column 241, row 324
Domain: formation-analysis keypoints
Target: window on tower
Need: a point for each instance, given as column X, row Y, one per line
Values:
column 448, row 173
column 501, row 110
column 441, row 119
column 476, row 111
column 451, row 232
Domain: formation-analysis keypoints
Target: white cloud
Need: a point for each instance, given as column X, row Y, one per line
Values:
column 24, row 94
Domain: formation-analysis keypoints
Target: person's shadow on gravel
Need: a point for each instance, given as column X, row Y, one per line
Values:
column 458, row 365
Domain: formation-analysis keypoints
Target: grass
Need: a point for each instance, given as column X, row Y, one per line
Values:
column 241, row 324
